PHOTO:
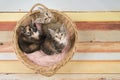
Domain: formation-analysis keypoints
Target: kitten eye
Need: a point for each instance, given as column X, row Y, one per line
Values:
column 47, row 14
column 45, row 18
column 61, row 34
column 56, row 36
column 29, row 29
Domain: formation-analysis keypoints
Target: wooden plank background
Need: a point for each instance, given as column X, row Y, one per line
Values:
column 60, row 77
column 97, row 35
column 98, row 49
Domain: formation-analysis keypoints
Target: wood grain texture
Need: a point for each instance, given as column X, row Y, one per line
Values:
column 83, row 36
column 6, row 36
column 94, row 16
column 81, row 47
column 6, row 47
column 78, row 56
column 60, row 77
column 99, row 36
column 75, row 16
column 7, row 26
column 101, row 25
column 11, row 16
column 98, row 47
column 84, row 79
column 84, row 20
column 71, row 67
column 81, row 25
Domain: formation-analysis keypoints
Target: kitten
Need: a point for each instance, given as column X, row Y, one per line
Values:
column 41, row 17
column 29, row 38
column 56, row 39
column 44, row 16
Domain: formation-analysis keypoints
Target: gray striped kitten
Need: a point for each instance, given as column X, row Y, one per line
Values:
column 56, row 38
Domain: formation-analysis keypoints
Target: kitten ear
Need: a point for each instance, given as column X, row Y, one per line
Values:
column 62, row 28
column 57, row 30
column 41, row 10
column 51, row 31
column 22, row 29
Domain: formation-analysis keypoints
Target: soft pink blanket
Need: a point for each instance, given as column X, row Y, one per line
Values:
column 40, row 58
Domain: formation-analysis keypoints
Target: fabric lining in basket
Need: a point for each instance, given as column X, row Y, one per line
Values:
column 51, row 69
column 40, row 58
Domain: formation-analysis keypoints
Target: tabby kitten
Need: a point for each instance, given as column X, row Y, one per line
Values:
column 56, row 39
column 29, row 38
column 44, row 16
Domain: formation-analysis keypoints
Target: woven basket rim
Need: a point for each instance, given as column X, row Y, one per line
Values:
column 45, row 70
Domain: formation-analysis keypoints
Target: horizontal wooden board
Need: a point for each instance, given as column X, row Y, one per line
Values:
column 71, row 67
column 80, row 47
column 95, row 16
column 98, row 47
column 99, row 25
column 7, row 26
column 81, row 25
column 60, row 77
column 99, row 36
column 78, row 56
column 83, row 36
column 6, row 36
column 75, row 16
column 11, row 16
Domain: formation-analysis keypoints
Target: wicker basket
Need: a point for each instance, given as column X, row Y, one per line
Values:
column 50, row 70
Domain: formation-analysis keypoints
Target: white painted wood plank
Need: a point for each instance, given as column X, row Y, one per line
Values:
column 96, row 56
column 60, row 77
column 66, row 5
column 89, row 35
column 99, row 35
column 8, row 56
column 77, row 56
column 6, row 36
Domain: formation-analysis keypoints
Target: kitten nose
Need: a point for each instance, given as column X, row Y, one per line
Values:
column 49, row 17
column 28, row 33
column 60, row 38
